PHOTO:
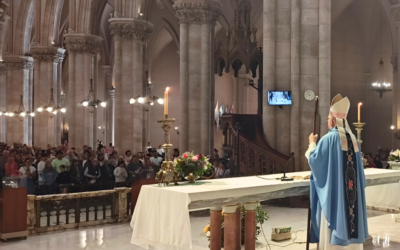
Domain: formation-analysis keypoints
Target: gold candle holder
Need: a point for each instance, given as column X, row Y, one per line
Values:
column 359, row 127
column 167, row 173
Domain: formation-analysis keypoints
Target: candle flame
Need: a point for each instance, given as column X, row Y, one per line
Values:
column 167, row 89
column 360, row 104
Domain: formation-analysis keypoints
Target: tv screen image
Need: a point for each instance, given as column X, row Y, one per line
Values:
column 279, row 98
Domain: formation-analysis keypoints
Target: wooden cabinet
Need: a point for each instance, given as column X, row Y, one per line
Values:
column 13, row 213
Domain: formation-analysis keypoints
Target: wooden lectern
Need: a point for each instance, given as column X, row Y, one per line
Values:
column 13, row 213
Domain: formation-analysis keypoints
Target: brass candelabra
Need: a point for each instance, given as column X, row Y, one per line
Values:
column 359, row 127
column 167, row 173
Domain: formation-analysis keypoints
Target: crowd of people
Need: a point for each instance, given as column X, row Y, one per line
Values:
column 64, row 169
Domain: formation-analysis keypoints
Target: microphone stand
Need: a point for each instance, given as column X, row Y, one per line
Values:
column 284, row 178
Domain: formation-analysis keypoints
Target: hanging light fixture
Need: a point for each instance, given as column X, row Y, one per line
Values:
column 91, row 100
column 149, row 98
column 381, row 86
column 51, row 106
column 21, row 112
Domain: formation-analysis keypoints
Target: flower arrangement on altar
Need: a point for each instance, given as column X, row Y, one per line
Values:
column 394, row 155
column 261, row 216
column 189, row 163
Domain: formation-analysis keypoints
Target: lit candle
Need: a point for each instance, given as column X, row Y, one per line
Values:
column 359, row 111
column 166, row 101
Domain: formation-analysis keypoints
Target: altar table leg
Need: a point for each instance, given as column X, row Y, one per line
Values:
column 250, row 226
column 230, row 227
column 238, row 228
column 215, row 228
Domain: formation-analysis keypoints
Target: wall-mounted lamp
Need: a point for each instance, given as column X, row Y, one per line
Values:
column 396, row 135
column 176, row 130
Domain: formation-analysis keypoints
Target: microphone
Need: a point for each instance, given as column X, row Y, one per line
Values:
column 284, row 178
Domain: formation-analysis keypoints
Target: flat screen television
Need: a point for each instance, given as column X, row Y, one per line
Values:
column 279, row 98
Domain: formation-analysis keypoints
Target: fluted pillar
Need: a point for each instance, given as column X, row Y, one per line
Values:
column 110, row 117
column 19, row 82
column 197, row 21
column 83, row 50
column 46, row 77
column 129, row 35
column 107, row 70
column 3, row 102
column 394, row 61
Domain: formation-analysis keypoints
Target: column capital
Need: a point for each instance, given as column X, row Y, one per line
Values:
column 129, row 29
column 83, row 43
column 196, row 13
column 19, row 62
column 394, row 62
column 395, row 13
column 4, row 11
column 45, row 53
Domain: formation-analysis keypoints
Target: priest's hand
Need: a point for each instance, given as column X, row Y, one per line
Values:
column 313, row 138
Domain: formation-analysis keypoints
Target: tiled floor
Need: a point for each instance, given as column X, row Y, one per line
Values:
column 385, row 231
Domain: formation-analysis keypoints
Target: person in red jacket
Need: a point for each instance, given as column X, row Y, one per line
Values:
column 12, row 167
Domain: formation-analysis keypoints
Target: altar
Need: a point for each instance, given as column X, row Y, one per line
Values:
column 162, row 213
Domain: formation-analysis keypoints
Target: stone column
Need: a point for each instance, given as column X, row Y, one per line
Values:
column 58, row 60
column 394, row 61
column 250, row 225
column 295, row 82
column 19, row 82
column 109, row 108
column 46, row 78
column 197, row 22
column 230, row 227
column 82, row 49
column 269, row 54
column 212, row 97
column 395, row 13
column 324, row 81
column 110, row 123
column 129, row 34
column 3, row 102
column 236, row 102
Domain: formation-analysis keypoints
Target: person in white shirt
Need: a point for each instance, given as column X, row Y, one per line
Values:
column 41, row 165
column 27, row 174
column 120, row 174
column 160, row 151
column 156, row 161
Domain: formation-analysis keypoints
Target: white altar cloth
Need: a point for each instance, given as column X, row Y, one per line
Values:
column 161, row 216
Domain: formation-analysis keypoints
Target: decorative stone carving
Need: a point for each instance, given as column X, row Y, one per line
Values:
column 112, row 93
column 48, row 54
column 107, row 71
column 28, row 65
column 395, row 13
column 86, row 45
column 3, row 71
column 4, row 11
column 130, row 31
column 394, row 62
column 197, row 13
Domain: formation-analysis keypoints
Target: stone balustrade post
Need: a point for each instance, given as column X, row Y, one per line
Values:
column 122, row 204
column 31, row 208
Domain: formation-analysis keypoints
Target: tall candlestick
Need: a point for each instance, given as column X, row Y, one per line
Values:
column 359, row 111
column 166, row 101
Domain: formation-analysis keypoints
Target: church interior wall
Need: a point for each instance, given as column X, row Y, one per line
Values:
column 352, row 57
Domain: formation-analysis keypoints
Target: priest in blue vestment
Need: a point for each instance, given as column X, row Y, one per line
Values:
column 337, row 183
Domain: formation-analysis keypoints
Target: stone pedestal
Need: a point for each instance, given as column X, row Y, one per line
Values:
column 128, row 35
column 121, row 204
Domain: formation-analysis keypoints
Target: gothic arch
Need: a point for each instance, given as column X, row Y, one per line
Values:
column 163, row 35
column 23, row 28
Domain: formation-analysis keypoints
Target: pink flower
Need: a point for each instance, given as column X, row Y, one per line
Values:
column 185, row 156
column 194, row 158
column 351, row 185
column 199, row 156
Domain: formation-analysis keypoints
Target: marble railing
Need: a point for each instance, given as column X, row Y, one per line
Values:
column 65, row 211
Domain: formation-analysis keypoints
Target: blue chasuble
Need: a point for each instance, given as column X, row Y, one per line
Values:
column 337, row 186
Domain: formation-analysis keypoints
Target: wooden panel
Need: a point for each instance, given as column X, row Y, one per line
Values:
column 135, row 190
column 13, row 210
